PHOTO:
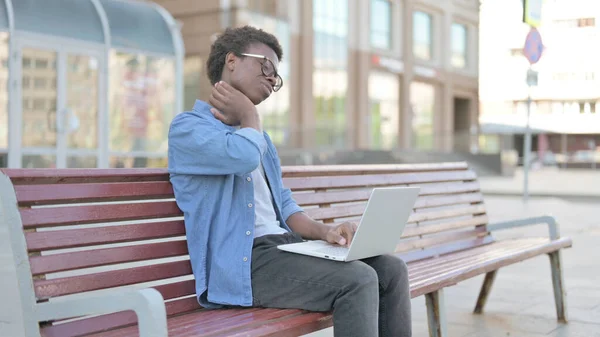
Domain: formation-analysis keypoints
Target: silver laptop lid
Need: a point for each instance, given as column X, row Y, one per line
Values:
column 383, row 221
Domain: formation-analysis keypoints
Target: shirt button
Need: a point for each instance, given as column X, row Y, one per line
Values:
column 248, row 232
column 245, row 259
column 249, row 179
column 250, row 205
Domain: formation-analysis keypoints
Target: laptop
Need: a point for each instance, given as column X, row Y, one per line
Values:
column 378, row 232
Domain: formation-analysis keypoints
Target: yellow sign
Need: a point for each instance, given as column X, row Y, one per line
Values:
column 532, row 12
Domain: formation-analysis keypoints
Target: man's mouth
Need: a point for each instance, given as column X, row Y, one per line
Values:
column 268, row 88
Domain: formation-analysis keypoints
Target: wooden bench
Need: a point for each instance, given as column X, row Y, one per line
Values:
column 103, row 251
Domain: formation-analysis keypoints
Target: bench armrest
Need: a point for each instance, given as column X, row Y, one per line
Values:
column 553, row 229
column 148, row 304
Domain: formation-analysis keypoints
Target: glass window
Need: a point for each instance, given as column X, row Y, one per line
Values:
column 459, row 45
column 422, row 101
column 4, row 93
column 422, row 35
column 136, row 162
column 272, row 8
column 384, row 91
column 381, row 24
column 39, row 125
column 4, row 100
column 3, row 16
column 82, row 103
column 142, row 102
column 274, row 111
column 192, row 77
column 330, row 48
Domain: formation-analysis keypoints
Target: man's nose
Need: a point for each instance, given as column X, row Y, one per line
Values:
column 272, row 80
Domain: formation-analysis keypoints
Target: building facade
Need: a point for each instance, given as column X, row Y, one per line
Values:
column 358, row 74
column 565, row 108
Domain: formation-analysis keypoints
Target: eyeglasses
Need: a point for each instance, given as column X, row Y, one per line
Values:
column 268, row 69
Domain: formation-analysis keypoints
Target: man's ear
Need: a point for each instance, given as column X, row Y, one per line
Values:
column 230, row 61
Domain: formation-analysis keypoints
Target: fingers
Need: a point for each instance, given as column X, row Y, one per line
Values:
column 348, row 229
column 224, row 87
column 334, row 237
column 219, row 94
column 219, row 116
column 348, row 232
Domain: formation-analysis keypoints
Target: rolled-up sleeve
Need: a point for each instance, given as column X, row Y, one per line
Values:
column 289, row 205
column 196, row 146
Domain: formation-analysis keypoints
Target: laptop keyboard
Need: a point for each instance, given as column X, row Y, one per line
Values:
column 334, row 250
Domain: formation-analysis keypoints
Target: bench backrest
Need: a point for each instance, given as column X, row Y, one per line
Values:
column 89, row 231
column 449, row 214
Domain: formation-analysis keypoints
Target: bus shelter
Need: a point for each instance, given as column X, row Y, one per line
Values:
column 87, row 83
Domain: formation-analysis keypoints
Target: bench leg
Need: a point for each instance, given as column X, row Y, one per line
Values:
column 485, row 291
column 436, row 314
column 558, row 282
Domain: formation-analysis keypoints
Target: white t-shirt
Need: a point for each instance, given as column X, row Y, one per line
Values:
column 266, row 220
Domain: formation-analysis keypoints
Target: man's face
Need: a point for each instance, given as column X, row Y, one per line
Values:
column 248, row 73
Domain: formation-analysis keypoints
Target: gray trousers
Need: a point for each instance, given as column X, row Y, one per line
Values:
column 369, row 298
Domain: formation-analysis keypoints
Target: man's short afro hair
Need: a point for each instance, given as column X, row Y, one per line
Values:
column 237, row 40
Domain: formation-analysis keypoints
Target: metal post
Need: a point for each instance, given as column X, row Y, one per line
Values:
column 564, row 148
column 527, row 144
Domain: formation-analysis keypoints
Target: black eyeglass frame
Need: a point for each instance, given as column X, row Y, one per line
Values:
column 278, row 79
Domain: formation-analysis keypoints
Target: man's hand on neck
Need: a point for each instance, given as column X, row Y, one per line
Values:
column 232, row 107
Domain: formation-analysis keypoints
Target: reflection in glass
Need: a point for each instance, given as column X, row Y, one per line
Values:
column 142, row 102
column 137, row 162
column 381, row 24
column 192, row 70
column 422, row 101
column 384, row 92
column 38, row 161
column 81, row 114
column 422, row 29
column 330, row 50
column 459, row 45
column 39, row 104
column 3, row 94
column 82, row 162
column 274, row 111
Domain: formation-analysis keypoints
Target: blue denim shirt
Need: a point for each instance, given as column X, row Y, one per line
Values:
column 210, row 165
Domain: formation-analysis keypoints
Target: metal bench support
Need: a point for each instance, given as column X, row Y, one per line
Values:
column 558, row 282
column 485, row 291
column 436, row 314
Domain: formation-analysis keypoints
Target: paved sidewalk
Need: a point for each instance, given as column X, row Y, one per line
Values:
column 573, row 184
column 521, row 302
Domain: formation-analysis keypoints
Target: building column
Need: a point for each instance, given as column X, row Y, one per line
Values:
column 303, row 71
column 296, row 66
column 357, row 107
column 406, row 112
column 445, row 127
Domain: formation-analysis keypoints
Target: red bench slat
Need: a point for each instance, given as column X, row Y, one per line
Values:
column 96, row 324
column 329, row 170
column 70, row 238
column 76, row 215
column 47, row 194
column 431, row 229
column 79, row 176
column 76, row 284
column 106, row 256
column 311, row 183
